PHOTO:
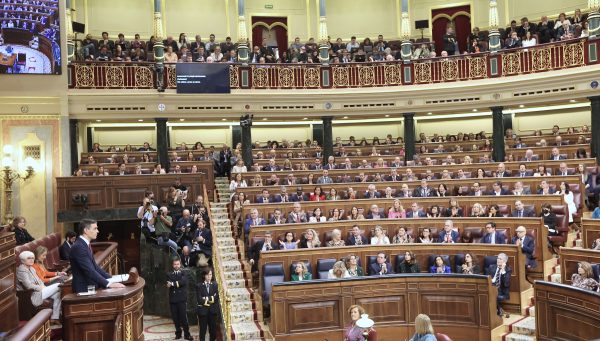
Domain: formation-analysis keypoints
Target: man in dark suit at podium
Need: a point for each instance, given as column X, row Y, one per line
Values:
column 177, row 283
column 85, row 270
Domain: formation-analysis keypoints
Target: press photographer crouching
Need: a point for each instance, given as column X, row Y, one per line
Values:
column 185, row 229
column 156, row 225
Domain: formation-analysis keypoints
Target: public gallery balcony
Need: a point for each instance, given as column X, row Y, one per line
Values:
column 480, row 66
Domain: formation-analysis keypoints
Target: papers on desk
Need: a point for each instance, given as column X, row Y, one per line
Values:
column 118, row 278
column 87, row 293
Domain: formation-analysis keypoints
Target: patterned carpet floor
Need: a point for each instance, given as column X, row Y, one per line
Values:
column 158, row 328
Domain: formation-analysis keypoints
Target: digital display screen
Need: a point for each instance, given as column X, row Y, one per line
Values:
column 30, row 37
column 202, row 78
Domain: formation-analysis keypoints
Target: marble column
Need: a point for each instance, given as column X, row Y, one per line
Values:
column 494, row 35
column 406, row 46
column 323, row 35
column 159, row 47
column 593, row 17
column 162, row 143
column 242, row 34
column 409, row 136
column 73, row 145
column 498, row 133
column 327, row 138
column 247, row 145
column 595, row 143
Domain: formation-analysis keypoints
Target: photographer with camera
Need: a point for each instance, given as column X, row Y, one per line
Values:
column 185, row 228
column 146, row 215
column 162, row 225
column 176, row 202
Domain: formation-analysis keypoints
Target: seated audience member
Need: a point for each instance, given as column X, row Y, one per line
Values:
column 396, row 211
column 556, row 155
column 381, row 266
column 402, row 237
column 374, row 213
column 501, row 273
column 434, row 212
column 336, row 215
column 277, row 219
column 423, row 329
column 477, row 210
column 27, row 279
column 379, row 238
column 332, row 195
column 317, row 195
column 415, row 212
column 492, row 236
column 264, row 245
column 301, row 273
column 567, row 194
column 254, row 220
column 317, row 216
column 46, row 276
column 453, row 209
column 310, row 240
column 354, row 332
column 470, row 266
column 65, row 248
column 448, row 235
column 264, row 198
column 239, row 167
column 299, row 195
column 549, row 219
column 596, row 244
column 520, row 190
column 356, row 237
column 584, row 278
column 188, row 259
column 425, row 236
column 354, row 270
column 497, row 189
column 493, row 211
column 527, row 246
column 297, row 215
column 520, row 211
column 336, row 239
column 501, row 172
column 440, row 267
column 404, row 192
column 288, row 242
column 545, row 188
column 424, row 190
column 409, row 265
column 338, row 271
column 22, row 236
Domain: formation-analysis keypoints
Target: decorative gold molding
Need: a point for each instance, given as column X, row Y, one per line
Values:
column 270, row 27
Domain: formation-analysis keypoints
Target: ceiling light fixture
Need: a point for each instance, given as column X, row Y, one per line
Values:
column 429, row 113
column 522, row 106
column 140, row 120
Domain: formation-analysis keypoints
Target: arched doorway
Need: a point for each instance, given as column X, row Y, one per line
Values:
column 459, row 17
column 274, row 29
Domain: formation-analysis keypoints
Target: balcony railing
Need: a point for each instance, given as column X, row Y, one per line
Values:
column 541, row 58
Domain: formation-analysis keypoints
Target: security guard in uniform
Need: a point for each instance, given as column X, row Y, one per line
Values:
column 177, row 283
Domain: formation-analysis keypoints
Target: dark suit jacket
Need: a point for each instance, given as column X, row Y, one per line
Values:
column 504, row 282
column 560, row 157
column 351, row 241
column 433, row 269
column 454, row 235
column 291, row 218
column 376, row 268
column 279, row 198
column 85, row 270
column 500, row 238
column 381, row 215
column 372, row 196
column 533, row 158
column 301, row 197
column 526, row 213
column 328, row 166
column 419, row 192
column 261, row 200
column 528, row 248
column 393, row 178
column 188, row 261
column 506, row 174
column 257, row 247
column 422, row 214
column 269, row 168
column 502, row 192
column 206, row 245
column 178, row 292
column 204, row 295
column 64, row 251
column 249, row 223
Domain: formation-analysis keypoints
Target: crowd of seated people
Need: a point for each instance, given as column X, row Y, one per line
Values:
column 186, row 50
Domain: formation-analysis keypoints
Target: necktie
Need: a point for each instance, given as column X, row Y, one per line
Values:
column 493, row 238
column 297, row 218
column 207, row 288
column 496, row 279
column 520, row 214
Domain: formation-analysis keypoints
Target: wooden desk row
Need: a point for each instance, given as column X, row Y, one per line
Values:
column 388, row 156
column 563, row 312
column 205, row 167
column 453, row 185
column 112, row 192
column 506, row 203
column 458, row 305
column 420, row 170
column 516, row 260
column 470, row 229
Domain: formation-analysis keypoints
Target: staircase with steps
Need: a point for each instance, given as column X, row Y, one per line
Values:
column 243, row 314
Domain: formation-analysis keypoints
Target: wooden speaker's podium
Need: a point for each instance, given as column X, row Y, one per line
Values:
column 110, row 314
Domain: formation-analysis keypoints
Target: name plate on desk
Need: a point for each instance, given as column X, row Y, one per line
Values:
column 86, row 293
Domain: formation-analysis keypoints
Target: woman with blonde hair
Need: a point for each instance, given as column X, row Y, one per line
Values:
column 338, row 271
column 423, row 329
column 310, row 240
column 354, row 332
column 40, row 269
column 301, row 273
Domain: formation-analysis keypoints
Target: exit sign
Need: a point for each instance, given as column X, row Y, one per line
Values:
column 269, row 6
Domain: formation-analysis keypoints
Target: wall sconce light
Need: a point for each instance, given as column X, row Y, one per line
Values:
column 11, row 175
